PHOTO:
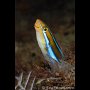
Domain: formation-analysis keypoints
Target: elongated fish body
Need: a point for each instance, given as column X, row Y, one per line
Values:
column 49, row 47
column 47, row 42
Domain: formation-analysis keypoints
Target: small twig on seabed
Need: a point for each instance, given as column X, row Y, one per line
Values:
column 32, row 83
column 27, row 80
column 19, row 81
column 19, row 84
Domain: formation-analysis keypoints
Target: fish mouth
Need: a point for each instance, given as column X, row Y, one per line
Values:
column 37, row 23
column 36, row 26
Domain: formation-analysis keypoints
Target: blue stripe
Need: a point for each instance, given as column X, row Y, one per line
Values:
column 49, row 49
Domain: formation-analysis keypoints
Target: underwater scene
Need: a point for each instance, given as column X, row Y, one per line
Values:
column 44, row 44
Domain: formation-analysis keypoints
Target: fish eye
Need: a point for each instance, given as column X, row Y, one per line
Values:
column 45, row 29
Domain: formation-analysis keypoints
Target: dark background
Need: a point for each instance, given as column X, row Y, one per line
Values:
column 56, row 13
column 59, row 15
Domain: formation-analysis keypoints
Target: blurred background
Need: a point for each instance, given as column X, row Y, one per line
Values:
column 59, row 15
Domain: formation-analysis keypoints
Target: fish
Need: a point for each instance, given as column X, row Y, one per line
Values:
column 47, row 42
column 49, row 46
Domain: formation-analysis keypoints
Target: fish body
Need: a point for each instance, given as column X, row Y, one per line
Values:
column 51, row 49
column 47, row 42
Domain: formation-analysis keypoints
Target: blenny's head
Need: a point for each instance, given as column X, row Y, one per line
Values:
column 40, row 26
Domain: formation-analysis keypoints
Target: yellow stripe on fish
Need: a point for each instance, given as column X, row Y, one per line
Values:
column 47, row 42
